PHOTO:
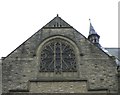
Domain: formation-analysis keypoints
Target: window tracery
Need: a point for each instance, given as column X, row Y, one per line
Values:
column 57, row 56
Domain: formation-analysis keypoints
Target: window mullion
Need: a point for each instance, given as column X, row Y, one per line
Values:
column 58, row 57
column 61, row 56
column 54, row 57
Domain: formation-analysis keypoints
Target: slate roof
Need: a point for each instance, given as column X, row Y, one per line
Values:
column 114, row 51
column 92, row 30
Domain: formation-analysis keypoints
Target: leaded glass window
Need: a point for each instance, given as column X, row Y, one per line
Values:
column 57, row 56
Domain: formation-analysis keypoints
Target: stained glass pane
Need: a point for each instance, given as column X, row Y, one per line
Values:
column 58, row 56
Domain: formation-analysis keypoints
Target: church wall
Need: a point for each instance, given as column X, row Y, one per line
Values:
column 59, row 87
column 96, row 67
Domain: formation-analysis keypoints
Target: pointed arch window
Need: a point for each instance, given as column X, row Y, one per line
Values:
column 58, row 56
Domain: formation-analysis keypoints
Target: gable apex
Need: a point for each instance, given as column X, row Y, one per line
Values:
column 57, row 22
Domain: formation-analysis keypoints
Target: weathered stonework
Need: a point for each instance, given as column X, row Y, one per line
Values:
column 94, row 66
column 58, row 87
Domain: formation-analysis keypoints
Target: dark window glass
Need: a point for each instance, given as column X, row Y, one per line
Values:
column 58, row 56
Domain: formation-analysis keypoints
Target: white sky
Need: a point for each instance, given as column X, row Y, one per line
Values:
column 19, row 19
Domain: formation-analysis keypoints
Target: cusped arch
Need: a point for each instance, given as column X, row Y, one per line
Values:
column 58, row 54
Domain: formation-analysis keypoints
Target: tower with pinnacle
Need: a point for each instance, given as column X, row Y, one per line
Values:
column 93, row 36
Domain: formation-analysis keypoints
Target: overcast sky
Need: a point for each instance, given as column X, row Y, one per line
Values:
column 19, row 19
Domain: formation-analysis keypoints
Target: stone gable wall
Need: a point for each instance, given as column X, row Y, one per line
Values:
column 95, row 66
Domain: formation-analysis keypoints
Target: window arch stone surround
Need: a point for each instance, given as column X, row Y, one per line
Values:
column 56, row 59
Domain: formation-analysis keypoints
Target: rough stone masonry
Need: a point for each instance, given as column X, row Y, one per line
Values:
column 27, row 69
